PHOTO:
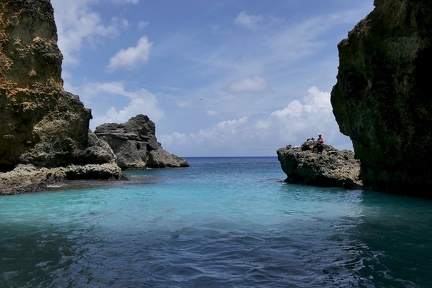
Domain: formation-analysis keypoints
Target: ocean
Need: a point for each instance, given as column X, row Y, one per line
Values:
column 223, row 222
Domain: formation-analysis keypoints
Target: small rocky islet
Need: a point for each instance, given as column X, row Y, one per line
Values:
column 329, row 168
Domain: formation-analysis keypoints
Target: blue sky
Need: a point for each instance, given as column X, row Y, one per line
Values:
column 219, row 78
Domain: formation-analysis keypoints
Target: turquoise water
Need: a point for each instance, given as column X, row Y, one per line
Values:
column 223, row 222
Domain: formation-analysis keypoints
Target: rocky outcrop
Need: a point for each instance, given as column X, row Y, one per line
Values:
column 331, row 168
column 382, row 97
column 40, row 123
column 28, row 178
column 136, row 146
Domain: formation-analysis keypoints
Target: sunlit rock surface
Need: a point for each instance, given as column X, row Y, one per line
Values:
column 136, row 146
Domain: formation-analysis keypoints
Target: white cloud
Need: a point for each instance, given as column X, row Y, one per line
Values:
column 314, row 106
column 132, row 56
column 141, row 101
column 294, row 110
column 301, row 119
column 221, row 133
column 231, row 125
column 252, row 84
column 175, row 138
column 126, row 1
column 77, row 24
column 218, row 135
column 248, row 21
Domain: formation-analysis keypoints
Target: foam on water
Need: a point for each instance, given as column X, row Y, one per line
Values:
column 223, row 222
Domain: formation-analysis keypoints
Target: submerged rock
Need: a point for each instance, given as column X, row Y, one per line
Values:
column 382, row 97
column 331, row 168
column 136, row 146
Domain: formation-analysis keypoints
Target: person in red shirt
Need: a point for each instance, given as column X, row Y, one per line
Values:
column 319, row 145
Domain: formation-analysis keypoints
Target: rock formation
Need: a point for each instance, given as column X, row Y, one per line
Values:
column 382, row 97
column 40, row 123
column 136, row 146
column 331, row 168
column 28, row 178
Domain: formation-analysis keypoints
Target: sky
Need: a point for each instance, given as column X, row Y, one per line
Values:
column 218, row 77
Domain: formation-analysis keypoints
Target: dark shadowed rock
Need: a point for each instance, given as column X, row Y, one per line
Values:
column 382, row 98
column 136, row 146
column 331, row 168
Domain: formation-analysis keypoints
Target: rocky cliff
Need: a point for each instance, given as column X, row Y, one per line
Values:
column 40, row 123
column 331, row 168
column 382, row 98
column 136, row 146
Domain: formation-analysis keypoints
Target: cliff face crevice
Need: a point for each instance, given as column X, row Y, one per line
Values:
column 40, row 123
column 382, row 99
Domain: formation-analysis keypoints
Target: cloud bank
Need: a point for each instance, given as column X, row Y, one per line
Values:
column 251, row 84
column 136, row 102
column 292, row 124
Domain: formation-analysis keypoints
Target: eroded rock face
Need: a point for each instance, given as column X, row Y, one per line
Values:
column 136, row 146
column 30, row 58
column 40, row 123
column 331, row 168
column 382, row 98
column 28, row 178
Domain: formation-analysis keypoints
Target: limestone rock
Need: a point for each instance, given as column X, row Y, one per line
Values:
column 160, row 158
column 331, row 168
column 136, row 146
column 382, row 97
column 28, row 178
column 40, row 123
column 29, row 57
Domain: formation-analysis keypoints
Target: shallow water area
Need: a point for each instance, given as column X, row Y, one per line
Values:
column 223, row 222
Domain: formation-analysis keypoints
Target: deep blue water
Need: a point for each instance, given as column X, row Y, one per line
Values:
column 223, row 222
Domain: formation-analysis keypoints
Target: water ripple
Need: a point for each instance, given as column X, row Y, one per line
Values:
column 228, row 227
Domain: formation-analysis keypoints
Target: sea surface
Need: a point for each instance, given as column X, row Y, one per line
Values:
column 223, row 222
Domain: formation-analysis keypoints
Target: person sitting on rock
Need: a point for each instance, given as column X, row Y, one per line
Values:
column 319, row 145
